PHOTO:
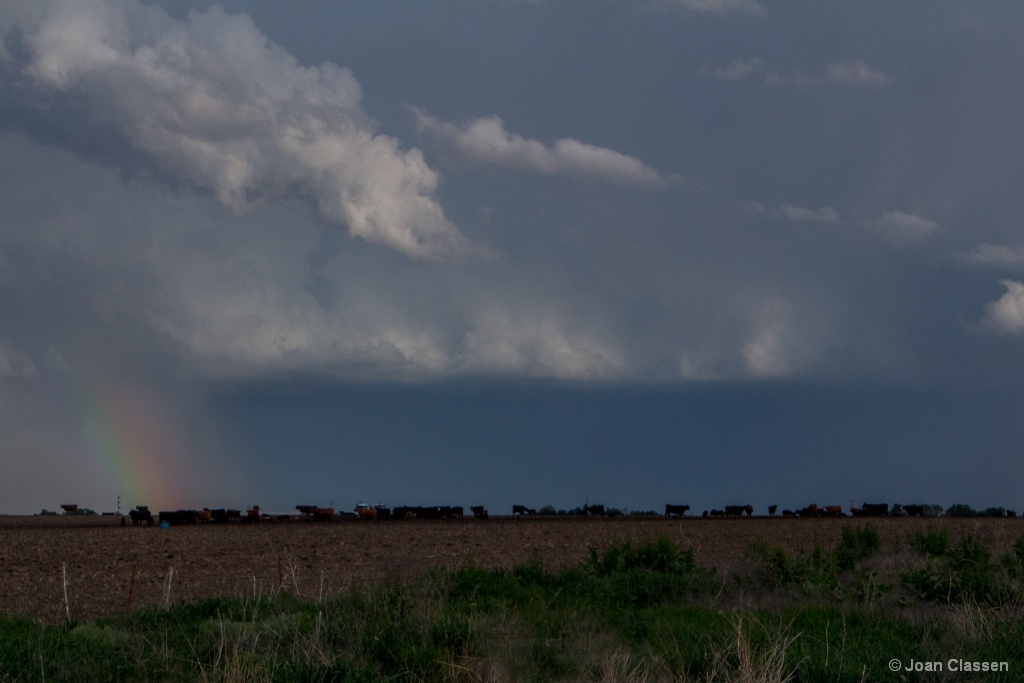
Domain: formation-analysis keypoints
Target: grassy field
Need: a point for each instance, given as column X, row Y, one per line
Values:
column 538, row 600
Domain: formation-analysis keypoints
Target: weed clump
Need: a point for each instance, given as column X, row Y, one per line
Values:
column 966, row 573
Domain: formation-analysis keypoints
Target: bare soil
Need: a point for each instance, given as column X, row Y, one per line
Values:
column 85, row 567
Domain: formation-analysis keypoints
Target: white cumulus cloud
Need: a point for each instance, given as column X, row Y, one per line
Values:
column 998, row 255
column 210, row 102
column 1006, row 314
column 486, row 140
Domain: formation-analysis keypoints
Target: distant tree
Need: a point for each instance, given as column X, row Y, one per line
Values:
column 547, row 510
column 47, row 513
column 960, row 510
column 993, row 512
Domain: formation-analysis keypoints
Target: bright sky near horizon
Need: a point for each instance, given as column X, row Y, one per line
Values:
column 511, row 251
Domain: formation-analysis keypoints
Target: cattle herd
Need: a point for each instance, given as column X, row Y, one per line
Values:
column 142, row 515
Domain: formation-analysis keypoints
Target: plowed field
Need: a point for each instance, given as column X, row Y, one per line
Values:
column 53, row 567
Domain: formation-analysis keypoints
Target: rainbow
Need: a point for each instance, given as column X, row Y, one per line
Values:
column 129, row 433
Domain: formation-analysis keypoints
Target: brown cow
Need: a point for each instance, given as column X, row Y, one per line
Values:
column 367, row 513
column 831, row 511
column 809, row 511
column 316, row 514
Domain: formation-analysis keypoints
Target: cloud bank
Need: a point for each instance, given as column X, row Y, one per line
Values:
column 211, row 103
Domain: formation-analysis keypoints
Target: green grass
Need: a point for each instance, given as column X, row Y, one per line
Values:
column 639, row 610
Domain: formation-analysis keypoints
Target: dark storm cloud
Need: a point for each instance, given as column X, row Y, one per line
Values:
column 666, row 193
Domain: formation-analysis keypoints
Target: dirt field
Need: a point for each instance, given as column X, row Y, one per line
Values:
column 102, row 567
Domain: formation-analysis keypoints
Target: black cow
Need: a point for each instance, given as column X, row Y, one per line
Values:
column 592, row 511
column 141, row 514
column 402, row 512
column 222, row 516
column 871, row 510
column 479, row 512
column 179, row 517
column 772, row 509
column 522, row 510
column 738, row 510
column 914, row 510
column 675, row 510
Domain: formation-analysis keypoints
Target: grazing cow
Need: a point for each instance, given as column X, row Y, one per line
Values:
column 738, row 510
column 316, row 514
column 704, row 514
column 592, row 511
column 871, row 510
column 522, row 510
column 141, row 514
column 383, row 511
column 675, row 510
column 480, row 512
column 914, row 510
column 788, row 513
column 809, row 511
column 219, row 516
column 179, row 517
column 772, row 509
column 718, row 513
column 432, row 512
column 367, row 513
column 831, row 511
column 252, row 514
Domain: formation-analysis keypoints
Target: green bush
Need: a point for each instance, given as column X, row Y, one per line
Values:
column 931, row 541
column 855, row 545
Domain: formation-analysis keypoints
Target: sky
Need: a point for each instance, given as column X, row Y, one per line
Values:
column 544, row 252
